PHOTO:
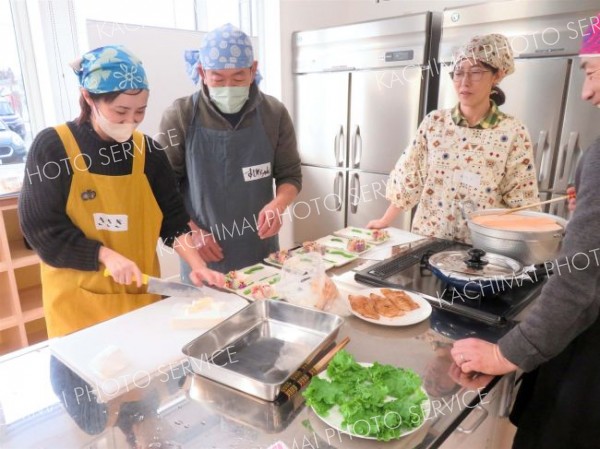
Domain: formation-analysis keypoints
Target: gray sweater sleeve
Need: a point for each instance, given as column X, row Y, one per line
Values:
column 173, row 128
column 570, row 300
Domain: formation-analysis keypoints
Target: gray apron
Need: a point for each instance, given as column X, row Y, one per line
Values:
column 223, row 195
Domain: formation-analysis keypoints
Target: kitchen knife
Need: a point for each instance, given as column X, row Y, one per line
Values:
column 168, row 288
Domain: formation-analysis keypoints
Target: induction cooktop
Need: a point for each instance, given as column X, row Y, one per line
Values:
column 408, row 269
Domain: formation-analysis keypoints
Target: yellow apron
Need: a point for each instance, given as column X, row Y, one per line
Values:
column 122, row 213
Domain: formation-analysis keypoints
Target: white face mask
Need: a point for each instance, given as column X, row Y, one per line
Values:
column 229, row 99
column 120, row 132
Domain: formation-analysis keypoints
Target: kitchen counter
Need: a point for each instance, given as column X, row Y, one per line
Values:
column 179, row 409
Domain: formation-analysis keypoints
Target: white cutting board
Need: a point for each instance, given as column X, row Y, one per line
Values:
column 149, row 342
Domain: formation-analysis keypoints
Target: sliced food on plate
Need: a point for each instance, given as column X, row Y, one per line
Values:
column 278, row 257
column 373, row 401
column 265, row 289
column 375, row 236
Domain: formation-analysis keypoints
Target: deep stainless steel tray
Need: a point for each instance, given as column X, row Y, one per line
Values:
column 257, row 349
column 243, row 408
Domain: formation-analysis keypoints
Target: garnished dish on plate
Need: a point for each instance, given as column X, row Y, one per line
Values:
column 238, row 280
column 265, row 289
column 389, row 307
column 279, row 257
column 375, row 236
column 313, row 247
column 355, row 245
column 367, row 400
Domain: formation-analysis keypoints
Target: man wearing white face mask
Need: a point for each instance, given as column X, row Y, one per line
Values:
column 230, row 145
column 97, row 195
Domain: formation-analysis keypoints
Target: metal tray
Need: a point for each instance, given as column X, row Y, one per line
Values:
column 259, row 348
column 243, row 408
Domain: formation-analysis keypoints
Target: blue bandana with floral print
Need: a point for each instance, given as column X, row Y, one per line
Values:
column 110, row 69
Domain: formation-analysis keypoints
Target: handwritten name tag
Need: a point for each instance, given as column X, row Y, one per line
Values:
column 468, row 178
column 257, row 172
column 107, row 222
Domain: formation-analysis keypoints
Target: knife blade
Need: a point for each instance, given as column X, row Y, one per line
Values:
column 171, row 288
column 168, row 288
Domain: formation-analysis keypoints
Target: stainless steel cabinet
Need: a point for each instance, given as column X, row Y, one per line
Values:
column 320, row 206
column 321, row 127
column 384, row 115
column 487, row 426
column 366, row 200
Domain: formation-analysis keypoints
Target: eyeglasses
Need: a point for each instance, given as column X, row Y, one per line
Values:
column 475, row 75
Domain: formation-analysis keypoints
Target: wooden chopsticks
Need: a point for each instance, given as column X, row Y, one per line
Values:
column 303, row 374
column 553, row 200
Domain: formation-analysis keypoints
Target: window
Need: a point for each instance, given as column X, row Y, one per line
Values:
column 15, row 128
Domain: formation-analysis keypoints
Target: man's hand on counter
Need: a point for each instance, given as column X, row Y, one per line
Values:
column 471, row 381
column 472, row 354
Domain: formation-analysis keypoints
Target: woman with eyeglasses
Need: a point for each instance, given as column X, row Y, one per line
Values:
column 471, row 154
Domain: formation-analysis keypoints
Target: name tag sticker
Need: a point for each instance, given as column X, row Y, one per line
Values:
column 468, row 178
column 257, row 172
column 107, row 222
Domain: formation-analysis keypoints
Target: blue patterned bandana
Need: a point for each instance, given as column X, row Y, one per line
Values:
column 110, row 69
column 227, row 47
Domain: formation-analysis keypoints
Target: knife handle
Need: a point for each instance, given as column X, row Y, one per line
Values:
column 144, row 276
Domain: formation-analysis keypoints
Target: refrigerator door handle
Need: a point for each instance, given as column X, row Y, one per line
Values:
column 338, row 147
column 542, row 151
column 354, row 192
column 338, row 190
column 356, row 148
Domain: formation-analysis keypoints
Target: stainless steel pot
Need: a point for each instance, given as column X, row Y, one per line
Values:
column 528, row 247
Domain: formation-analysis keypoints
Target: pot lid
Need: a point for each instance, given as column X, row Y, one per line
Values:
column 476, row 264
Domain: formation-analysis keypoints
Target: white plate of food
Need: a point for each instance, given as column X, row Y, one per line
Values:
column 374, row 236
column 389, row 307
column 237, row 280
column 355, row 245
column 334, row 418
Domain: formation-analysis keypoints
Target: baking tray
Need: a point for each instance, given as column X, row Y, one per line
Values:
column 257, row 349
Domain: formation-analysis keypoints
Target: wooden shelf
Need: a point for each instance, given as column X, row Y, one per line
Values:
column 31, row 300
column 10, row 340
column 6, row 323
column 22, row 320
column 36, row 331
column 20, row 255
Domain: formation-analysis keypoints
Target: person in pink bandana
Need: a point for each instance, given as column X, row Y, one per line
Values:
column 558, row 343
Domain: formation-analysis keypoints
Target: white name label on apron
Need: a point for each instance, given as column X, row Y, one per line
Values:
column 257, row 172
column 106, row 222
column 467, row 177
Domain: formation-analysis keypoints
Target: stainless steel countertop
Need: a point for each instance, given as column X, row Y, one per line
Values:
column 180, row 409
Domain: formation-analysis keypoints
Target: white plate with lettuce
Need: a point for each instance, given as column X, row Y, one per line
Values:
column 395, row 403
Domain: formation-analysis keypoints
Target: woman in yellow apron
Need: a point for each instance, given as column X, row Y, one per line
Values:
column 98, row 194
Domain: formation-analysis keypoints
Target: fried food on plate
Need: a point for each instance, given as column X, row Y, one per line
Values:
column 392, row 304
column 362, row 304
column 400, row 299
column 384, row 306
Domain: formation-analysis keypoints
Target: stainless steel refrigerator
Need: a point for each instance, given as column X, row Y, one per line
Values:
column 545, row 90
column 360, row 93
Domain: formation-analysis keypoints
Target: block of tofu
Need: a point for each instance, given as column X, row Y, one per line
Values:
column 202, row 313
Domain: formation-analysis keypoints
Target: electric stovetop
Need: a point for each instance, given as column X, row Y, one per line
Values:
column 408, row 269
